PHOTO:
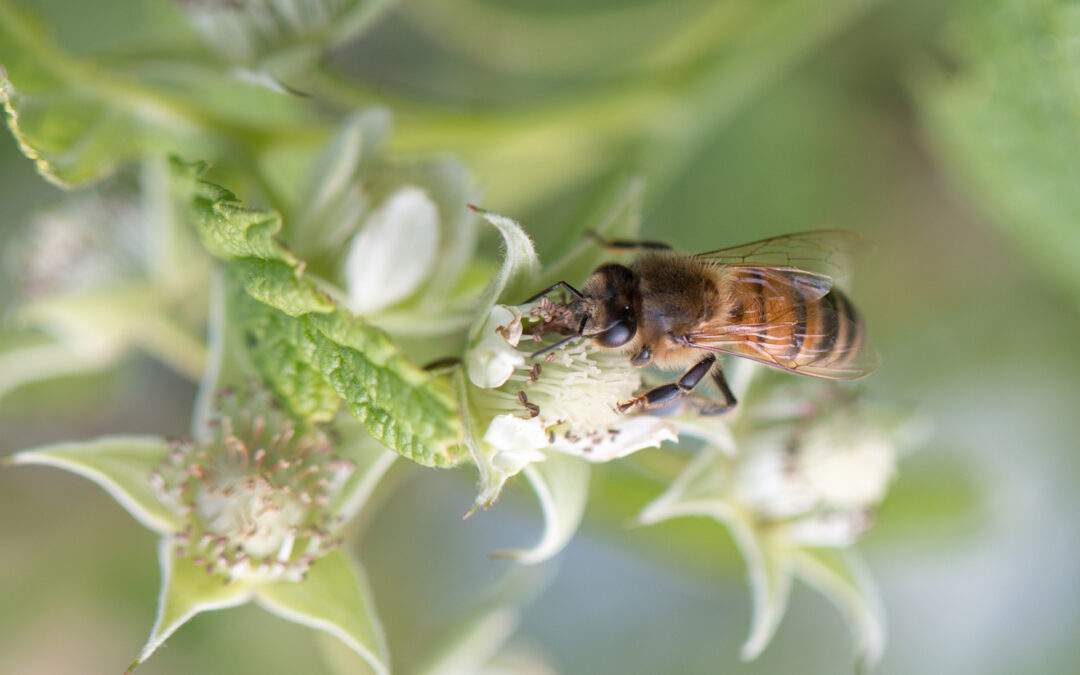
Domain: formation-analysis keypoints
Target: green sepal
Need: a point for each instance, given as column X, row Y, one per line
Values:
column 121, row 465
column 561, row 483
column 186, row 590
column 334, row 597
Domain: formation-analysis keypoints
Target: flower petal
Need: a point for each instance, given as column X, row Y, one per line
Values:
column 840, row 576
column 335, row 598
column 492, row 361
column 121, row 465
column 630, row 435
column 509, row 445
column 186, row 590
column 394, row 251
column 562, row 487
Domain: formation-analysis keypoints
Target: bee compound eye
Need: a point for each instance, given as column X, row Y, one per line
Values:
column 617, row 334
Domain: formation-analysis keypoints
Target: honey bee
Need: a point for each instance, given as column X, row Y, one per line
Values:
column 772, row 301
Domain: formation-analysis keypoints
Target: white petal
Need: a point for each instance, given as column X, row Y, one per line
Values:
column 393, row 252
column 849, row 475
column 836, row 530
column 628, row 435
column 516, row 434
column 492, row 361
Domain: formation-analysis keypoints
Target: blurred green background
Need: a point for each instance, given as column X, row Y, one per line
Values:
column 947, row 132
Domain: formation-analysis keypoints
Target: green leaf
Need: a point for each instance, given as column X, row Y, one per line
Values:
column 75, row 121
column 279, row 351
column 561, row 483
column 121, row 465
column 839, row 575
column 186, row 590
column 1005, row 121
column 314, row 354
column 335, row 598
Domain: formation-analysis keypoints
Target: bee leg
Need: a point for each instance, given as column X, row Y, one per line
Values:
column 711, row 407
column 666, row 393
column 628, row 245
column 558, row 284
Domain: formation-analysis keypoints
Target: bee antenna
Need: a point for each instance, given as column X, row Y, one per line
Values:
column 558, row 284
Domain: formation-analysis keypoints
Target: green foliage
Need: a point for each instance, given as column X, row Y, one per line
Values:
column 313, row 353
column 1005, row 117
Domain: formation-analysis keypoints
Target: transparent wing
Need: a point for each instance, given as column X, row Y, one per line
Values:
column 785, row 342
column 829, row 252
column 774, row 281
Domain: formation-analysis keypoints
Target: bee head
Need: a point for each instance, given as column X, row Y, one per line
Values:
column 613, row 295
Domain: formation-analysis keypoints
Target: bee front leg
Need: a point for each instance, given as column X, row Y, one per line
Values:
column 666, row 393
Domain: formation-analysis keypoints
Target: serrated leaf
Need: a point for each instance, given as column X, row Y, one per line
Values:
column 121, row 465
column 335, row 597
column 186, row 590
column 561, row 483
column 68, row 116
column 279, row 349
column 314, row 354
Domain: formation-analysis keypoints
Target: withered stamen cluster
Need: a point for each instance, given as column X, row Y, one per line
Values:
column 254, row 495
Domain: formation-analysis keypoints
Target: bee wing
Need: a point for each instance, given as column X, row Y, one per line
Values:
column 829, row 252
column 864, row 363
column 773, row 281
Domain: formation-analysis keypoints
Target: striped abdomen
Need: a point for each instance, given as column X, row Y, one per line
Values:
column 791, row 319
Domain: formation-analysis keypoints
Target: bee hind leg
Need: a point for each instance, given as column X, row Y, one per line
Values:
column 709, row 406
column 666, row 393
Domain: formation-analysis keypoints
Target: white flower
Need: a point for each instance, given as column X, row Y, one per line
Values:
column 492, row 361
column 254, row 496
column 823, row 483
column 516, row 441
column 566, row 402
column 394, row 251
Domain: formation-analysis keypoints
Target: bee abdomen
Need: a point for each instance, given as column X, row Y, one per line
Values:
column 834, row 332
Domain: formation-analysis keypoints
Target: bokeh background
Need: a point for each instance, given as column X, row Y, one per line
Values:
column 949, row 132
